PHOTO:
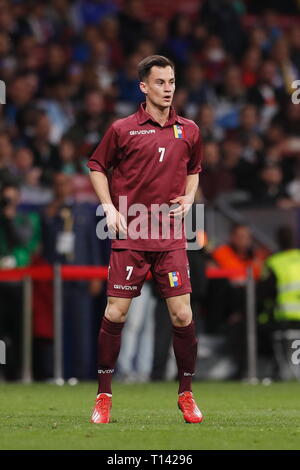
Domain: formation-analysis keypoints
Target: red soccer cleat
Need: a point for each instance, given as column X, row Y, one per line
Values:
column 190, row 410
column 101, row 413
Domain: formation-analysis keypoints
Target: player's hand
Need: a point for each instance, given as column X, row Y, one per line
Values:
column 116, row 222
column 185, row 203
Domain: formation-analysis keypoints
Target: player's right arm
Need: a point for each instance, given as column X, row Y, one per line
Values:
column 115, row 220
column 103, row 158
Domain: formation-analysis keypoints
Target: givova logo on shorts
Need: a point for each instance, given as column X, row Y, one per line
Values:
column 119, row 286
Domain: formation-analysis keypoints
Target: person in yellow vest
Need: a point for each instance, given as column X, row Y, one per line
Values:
column 279, row 303
column 280, row 281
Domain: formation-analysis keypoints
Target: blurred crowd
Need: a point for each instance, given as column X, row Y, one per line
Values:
column 70, row 70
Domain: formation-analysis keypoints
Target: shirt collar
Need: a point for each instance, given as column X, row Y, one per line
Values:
column 143, row 116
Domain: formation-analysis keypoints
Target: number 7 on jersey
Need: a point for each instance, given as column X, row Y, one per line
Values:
column 162, row 153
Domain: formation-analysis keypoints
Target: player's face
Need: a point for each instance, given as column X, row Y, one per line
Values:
column 159, row 86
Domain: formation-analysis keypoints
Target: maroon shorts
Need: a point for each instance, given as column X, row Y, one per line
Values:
column 128, row 270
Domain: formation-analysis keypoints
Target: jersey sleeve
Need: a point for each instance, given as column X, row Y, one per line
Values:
column 105, row 154
column 194, row 164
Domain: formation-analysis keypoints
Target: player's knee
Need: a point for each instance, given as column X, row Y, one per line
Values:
column 115, row 313
column 182, row 317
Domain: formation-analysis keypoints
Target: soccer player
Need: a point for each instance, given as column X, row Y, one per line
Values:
column 155, row 158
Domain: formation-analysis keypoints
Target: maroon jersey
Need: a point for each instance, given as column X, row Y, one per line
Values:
column 150, row 164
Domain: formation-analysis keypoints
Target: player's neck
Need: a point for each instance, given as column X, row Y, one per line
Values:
column 161, row 115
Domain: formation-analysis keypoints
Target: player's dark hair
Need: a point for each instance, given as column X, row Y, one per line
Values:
column 146, row 64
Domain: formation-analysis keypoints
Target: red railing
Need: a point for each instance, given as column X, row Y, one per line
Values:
column 72, row 273
column 60, row 273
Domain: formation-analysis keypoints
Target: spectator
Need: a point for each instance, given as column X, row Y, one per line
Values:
column 250, row 66
column 240, row 253
column 20, row 104
column 99, row 61
column 199, row 91
column 179, row 43
column 293, row 190
column 249, row 133
column 294, row 36
column 158, row 31
column 56, row 65
column 215, row 179
column 180, row 101
column 110, row 33
column 28, row 177
column 231, row 98
column 258, row 38
column 75, row 165
column 23, row 162
column 75, row 79
column 206, row 120
column 6, row 153
column 266, row 94
column 88, row 12
column 268, row 189
column 270, row 20
column 69, row 157
column 241, row 169
column 214, row 58
column 127, row 81
column 291, row 120
column 132, row 25
column 288, row 71
column 45, row 153
column 278, row 295
column 19, row 240
column 40, row 24
column 58, row 109
column 223, row 16
column 91, row 122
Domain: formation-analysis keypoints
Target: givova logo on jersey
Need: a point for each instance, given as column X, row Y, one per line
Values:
column 142, row 132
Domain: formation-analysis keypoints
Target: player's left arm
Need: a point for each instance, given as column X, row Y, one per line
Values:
column 185, row 202
column 192, row 182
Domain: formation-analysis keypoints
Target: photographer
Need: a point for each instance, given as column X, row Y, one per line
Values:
column 19, row 238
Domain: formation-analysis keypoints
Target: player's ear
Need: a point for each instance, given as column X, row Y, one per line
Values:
column 143, row 87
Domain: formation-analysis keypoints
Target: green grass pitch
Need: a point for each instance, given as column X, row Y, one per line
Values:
column 145, row 416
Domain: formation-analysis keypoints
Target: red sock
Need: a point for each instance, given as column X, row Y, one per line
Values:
column 109, row 343
column 185, row 349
